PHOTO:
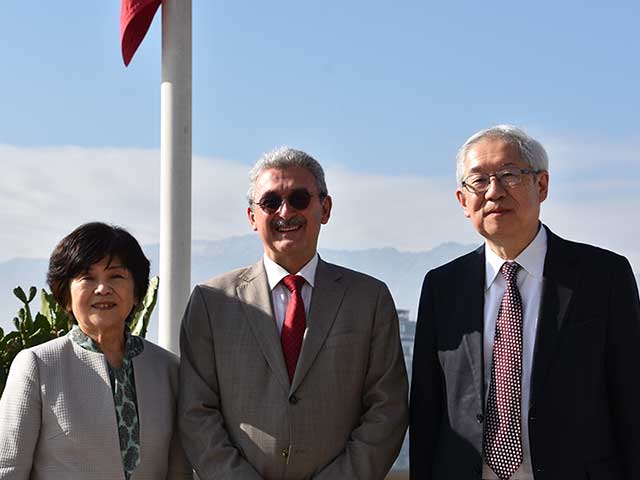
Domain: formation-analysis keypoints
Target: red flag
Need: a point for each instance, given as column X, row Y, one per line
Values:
column 135, row 19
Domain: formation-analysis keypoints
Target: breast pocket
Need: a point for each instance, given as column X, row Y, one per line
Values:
column 343, row 339
column 584, row 323
column 605, row 470
column 58, row 436
column 56, row 422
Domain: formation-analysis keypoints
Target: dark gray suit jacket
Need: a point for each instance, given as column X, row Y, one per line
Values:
column 584, row 417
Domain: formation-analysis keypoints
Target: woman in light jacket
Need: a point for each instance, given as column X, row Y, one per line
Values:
column 98, row 403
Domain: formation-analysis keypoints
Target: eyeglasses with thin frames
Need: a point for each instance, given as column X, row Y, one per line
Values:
column 507, row 177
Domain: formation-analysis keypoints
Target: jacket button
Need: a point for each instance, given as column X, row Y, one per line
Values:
column 479, row 418
column 293, row 399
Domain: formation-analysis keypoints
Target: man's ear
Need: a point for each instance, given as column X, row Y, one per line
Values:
column 542, row 184
column 252, row 218
column 462, row 200
column 327, row 203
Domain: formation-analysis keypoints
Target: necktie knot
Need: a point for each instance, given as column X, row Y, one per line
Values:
column 293, row 282
column 294, row 324
column 510, row 271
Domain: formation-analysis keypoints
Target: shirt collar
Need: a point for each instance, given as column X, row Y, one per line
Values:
column 275, row 273
column 531, row 259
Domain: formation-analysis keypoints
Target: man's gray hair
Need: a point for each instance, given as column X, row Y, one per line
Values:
column 284, row 157
column 531, row 151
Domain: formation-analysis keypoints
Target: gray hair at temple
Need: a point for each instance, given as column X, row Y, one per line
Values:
column 284, row 157
column 531, row 151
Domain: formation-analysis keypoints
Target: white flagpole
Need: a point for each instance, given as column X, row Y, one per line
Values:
column 175, row 170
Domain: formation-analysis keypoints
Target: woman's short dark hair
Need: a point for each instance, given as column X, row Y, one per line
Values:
column 89, row 244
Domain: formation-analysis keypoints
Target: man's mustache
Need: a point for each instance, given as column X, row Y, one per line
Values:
column 279, row 223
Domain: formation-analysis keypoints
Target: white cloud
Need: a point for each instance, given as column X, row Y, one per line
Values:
column 409, row 213
column 593, row 192
column 46, row 192
column 572, row 157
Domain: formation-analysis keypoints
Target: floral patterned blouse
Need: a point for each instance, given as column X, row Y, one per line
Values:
column 123, row 387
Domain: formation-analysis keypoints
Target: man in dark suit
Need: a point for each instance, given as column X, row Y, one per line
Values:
column 527, row 350
column 291, row 368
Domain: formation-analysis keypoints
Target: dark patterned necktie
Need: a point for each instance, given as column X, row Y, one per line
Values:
column 502, row 439
column 294, row 323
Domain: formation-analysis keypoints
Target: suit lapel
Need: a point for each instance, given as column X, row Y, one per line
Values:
column 94, row 412
column 255, row 297
column 326, row 299
column 470, row 314
column 557, row 289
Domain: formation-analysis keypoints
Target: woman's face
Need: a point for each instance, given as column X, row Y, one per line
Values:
column 102, row 297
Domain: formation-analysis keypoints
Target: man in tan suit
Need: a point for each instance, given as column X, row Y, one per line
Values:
column 291, row 368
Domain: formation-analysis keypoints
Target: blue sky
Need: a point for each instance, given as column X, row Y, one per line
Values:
column 382, row 94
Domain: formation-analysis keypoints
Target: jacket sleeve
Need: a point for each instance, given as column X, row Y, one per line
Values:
column 201, row 424
column 622, row 361
column 375, row 442
column 179, row 466
column 20, row 414
column 426, row 389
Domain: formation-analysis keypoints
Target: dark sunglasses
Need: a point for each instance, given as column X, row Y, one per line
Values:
column 298, row 199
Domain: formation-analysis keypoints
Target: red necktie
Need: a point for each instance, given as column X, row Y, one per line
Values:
column 294, row 323
column 502, row 439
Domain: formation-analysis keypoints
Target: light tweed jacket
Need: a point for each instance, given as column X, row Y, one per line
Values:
column 344, row 415
column 58, row 421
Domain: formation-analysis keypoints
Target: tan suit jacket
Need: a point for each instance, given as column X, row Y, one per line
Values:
column 58, row 421
column 343, row 416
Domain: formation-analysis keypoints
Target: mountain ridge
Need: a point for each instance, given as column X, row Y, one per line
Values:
column 402, row 271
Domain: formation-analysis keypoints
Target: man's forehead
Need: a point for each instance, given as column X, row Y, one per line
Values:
column 493, row 153
column 481, row 167
column 290, row 177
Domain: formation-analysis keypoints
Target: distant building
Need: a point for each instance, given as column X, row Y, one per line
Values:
column 407, row 334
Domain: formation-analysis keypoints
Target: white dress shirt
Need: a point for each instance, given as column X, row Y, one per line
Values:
column 529, row 281
column 280, row 294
